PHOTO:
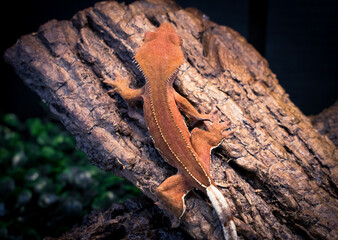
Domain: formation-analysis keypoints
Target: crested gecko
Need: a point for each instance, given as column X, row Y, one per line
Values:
column 159, row 59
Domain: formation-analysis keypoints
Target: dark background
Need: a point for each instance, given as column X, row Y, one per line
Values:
column 299, row 38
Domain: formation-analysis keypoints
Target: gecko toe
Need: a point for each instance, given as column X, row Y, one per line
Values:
column 112, row 91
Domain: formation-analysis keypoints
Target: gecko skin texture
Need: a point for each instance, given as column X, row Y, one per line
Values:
column 159, row 59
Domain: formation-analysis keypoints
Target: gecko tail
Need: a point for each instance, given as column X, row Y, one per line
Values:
column 223, row 211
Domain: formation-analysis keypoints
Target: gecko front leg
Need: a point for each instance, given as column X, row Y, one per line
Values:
column 188, row 109
column 121, row 86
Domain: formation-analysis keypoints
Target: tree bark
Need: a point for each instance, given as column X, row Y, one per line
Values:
column 326, row 123
column 278, row 173
column 136, row 219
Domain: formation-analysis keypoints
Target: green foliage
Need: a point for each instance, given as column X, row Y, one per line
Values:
column 46, row 186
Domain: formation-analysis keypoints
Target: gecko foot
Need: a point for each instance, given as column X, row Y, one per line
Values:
column 218, row 128
column 118, row 85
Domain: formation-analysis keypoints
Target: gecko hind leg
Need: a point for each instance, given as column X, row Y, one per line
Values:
column 171, row 195
column 203, row 141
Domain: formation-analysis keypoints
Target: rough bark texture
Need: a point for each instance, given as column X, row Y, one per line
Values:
column 326, row 123
column 278, row 173
column 136, row 219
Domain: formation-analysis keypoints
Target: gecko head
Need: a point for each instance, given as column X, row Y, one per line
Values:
column 161, row 53
column 166, row 33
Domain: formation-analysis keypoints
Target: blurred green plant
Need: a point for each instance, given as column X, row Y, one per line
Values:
column 46, row 185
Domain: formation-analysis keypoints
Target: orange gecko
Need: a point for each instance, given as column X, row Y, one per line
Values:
column 159, row 59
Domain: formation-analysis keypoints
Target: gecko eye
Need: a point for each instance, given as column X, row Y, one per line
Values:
column 148, row 36
column 175, row 39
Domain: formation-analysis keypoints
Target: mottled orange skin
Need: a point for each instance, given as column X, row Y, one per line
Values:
column 159, row 58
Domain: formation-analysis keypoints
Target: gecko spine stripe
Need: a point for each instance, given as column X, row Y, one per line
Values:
column 165, row 140
column 181, row 134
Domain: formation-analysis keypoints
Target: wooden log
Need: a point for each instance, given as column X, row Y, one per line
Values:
column 135, row 218
column 278, row 173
